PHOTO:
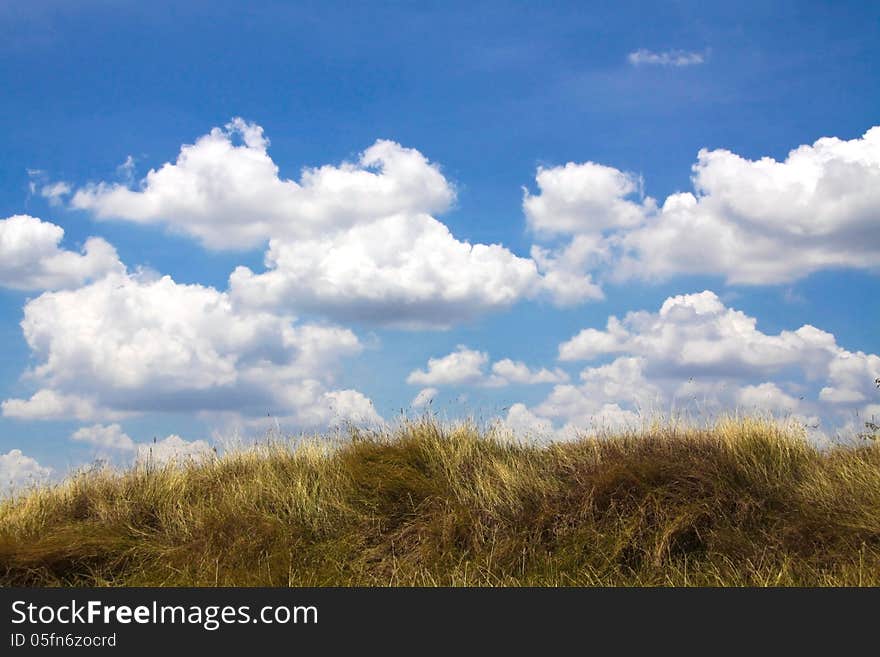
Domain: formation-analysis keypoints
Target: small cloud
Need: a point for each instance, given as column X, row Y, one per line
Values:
column 467, row 367
column 54, row 192
column 106, row 436
column 792, row 296
column 34, row 176
column 425, row 397
column 31, row 257
column 20, row 471
column 172, row 449
column 125, row 171
column 462, row 366
column 676, row 58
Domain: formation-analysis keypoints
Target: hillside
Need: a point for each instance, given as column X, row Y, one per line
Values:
column 745, row 502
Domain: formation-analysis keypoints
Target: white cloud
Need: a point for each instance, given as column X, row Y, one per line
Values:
column 508, row 371
column 591, row 342
column 610, row 397
column 172, row 449
column 307, row 405
column 132, row 344
column 351, row 406
column 585, row 198
column 850, row 376
column 675, row 58
column 424, row 397
column 109, row 436
column 752, row 221
column 564, row 271
column 462, row 366
column 49, row 404
column 767, row 397
column 126, row 170
column 525, row 425
column 403, row 270
column 772, row 222
column 696, row 334
column 226, row 191
column 55, row 192
column 586, row 201
column 353, row 241
column 468, row 367
column 30, row 257
column 695, row 350
column 18, row 470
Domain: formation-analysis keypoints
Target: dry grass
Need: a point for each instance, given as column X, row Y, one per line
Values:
column 745, row 502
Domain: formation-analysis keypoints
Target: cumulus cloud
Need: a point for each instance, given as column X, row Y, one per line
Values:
column 49, row 404
column 403, row 270
column 109, row 436
column 31, row 258
column 172, row 449
column 697, row 334
column 55, row 192
column 751, row 221
column 525, row 425
column 132, row 344
column 225, row 190
column 773, row 222
column 586, row 198
column 609, row 397
column 18, row 470
column 424, row 397
column 849, row 378
column 565, row 278
column 466, row 366
column 675, row 58
column 509, row 371
column 588, row 202
column 767, row 397
column 696, row 349
column 356, row 240
column 348, row 406
column 462, row 366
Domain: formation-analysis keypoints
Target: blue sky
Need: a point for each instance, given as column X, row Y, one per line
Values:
column 611, row 101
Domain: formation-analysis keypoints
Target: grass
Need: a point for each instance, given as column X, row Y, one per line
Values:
column 741, row 503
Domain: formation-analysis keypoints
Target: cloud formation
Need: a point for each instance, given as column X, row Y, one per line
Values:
column 46, row 404
column 31, row 258
column 754, row 222
column 466, row 366
column 424, row 397
column 697, row 350
column 359, row 241
column 225, row 190
column 130, row 343
column 109, row 436
column 676, row 58
column 403, row 270
column 462, row 366
column 19, row 471
column 587, row 202
column 585, row 199
column 172, row 449
column 354, row 241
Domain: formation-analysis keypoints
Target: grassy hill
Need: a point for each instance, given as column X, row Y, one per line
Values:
column 742, row 503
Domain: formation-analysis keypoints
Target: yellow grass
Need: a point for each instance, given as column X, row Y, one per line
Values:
column 745, row 502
